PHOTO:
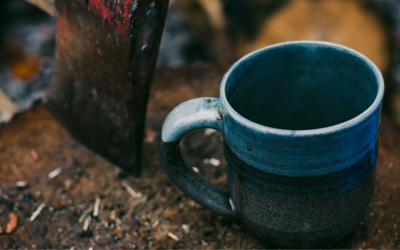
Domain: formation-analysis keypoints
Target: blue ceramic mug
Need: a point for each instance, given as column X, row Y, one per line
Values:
column 300, row 124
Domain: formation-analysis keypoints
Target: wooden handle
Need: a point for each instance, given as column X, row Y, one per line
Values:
column 46, row 5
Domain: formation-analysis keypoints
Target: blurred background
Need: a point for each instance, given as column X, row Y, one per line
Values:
column 216, row 32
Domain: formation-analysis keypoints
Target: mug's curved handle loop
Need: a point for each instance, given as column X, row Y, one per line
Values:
column 193, row 114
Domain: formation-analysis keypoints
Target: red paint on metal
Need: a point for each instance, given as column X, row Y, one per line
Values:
column 123, row 25
column 99, row 7
column 103, row 9
column 127, row 3
column 109, row 17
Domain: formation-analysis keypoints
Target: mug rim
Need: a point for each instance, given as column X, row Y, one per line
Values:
column 309, row 132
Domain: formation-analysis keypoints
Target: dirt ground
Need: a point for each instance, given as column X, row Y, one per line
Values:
column 87, row 202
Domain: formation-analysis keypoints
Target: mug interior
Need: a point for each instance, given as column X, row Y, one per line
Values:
column 301, row 86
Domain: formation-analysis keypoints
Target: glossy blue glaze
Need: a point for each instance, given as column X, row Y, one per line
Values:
column 193, row 114
column 310, row 152
column 300, row 122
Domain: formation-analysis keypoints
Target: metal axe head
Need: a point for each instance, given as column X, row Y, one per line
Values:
column 105, row 57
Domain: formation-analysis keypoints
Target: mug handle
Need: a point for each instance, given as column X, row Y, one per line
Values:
column 191, row 115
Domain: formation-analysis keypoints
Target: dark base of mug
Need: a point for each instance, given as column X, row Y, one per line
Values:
column 301, row 212
column 328, row 237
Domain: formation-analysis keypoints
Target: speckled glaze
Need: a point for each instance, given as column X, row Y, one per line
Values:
column 300, row 122
column 301, row 212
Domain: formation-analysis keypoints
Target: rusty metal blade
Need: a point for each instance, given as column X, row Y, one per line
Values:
column 105, row 58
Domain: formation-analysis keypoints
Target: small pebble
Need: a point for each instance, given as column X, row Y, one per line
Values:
column 209, row 131
column 232, row 205
column 12, row 223
column 150, row 136
column 37, row 212
column 67, row 184
column 96, row 207
column 186, row 228
column 133, row 193
column 155, row 224
column 34, row 154
column 215, row 162
column 112, row 215
column 21, row 184
column 212, row 161
column 86, row 223
column 173, row 236
column 55, row 173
